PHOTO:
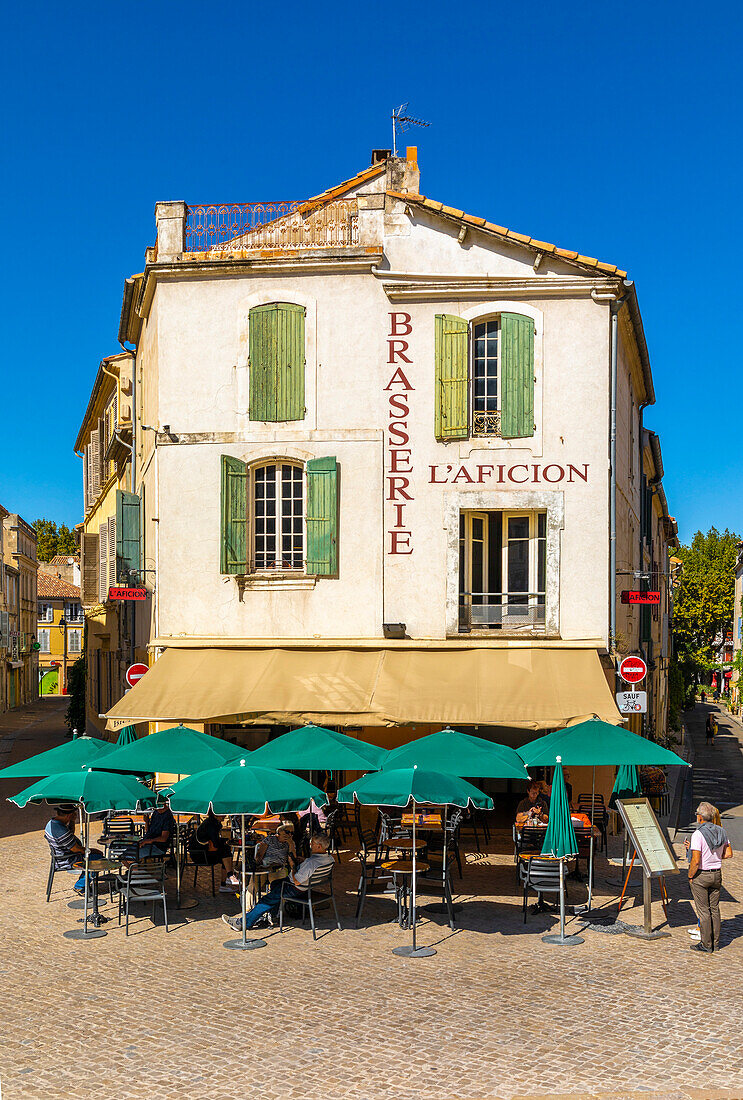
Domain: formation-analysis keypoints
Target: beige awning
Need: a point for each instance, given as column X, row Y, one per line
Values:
column 528, row 688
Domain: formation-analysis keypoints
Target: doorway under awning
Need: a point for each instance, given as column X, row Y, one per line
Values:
column 527, row 686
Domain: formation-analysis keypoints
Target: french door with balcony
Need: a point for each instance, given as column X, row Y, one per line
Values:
column 502, row 570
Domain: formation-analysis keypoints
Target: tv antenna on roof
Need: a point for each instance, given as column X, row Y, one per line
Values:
column 404, row 121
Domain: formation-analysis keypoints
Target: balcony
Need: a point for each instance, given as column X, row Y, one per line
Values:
column 271, row 226
column 507, row 613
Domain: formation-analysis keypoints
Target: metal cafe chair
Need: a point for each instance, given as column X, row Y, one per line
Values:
column 540, row 875
column 143, row 882
column 57, row 864
column 312, row 901
column 596, row 810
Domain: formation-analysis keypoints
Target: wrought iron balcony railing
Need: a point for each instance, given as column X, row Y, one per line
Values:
column 501, row 611
column 248, row 227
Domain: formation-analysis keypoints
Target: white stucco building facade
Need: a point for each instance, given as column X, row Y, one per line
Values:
column 371, row 422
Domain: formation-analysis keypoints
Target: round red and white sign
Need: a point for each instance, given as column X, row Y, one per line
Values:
column 135, row 673
column 633, row 669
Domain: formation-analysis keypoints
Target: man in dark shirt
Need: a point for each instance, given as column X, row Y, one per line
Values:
column 159, row 835
column 533, row 808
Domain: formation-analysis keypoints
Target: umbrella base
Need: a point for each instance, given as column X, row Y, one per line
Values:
column 184, row 903
column 562, row 941
column 248, row 945
column 410, row 952
column 81, row 934
column 77, row 903
column 440, row 907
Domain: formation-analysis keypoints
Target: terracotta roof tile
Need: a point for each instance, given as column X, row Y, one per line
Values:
column 64, row 559
column 54, row 588
column 508, row 234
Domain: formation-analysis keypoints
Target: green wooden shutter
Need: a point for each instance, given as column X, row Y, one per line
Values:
column 322, row 517
column 451, row 353
column 127, row 538
column 517, row 376
column 234, row 516
column 277, row 361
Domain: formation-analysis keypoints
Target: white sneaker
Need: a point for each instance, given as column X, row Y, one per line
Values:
column 694, row 933
column 232, row 880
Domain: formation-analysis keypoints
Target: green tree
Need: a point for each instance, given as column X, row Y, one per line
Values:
column 703, row 602
column 52, row 539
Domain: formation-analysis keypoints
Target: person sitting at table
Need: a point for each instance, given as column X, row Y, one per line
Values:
column 208, row 846
column 533, row 809
column 159, row 833
column 276, row 850
column 67, row 850
column 296, row 887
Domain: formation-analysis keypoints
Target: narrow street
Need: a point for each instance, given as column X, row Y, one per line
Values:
column 178, row 1017
column 718, row 768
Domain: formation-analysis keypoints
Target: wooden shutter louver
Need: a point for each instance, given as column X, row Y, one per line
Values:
column 103, row 562
column 94, row 466
column 233, row 516
column 517, row 376
column 127, row 538
column 89, row 569
column 451, row 353
column 322, row 517
column 277, row 362
column 112, row 571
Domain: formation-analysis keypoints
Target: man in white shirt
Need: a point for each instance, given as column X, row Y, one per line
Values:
column 295, row 887
column 709, row 846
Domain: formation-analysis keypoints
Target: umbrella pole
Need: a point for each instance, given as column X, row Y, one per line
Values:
column 87, row 864
column 243, row 944
column 407, row 951
column 414, row 862
column 590, row 847
column 85, row 933
column 561, row 940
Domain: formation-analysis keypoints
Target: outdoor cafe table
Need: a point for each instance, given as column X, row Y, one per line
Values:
column 95, row 866
column 402, row 872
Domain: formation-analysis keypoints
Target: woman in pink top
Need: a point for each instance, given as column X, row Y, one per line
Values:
column 709, row 846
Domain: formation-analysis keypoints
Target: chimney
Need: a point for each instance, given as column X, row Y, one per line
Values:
column 403, row 173
column 379, row 156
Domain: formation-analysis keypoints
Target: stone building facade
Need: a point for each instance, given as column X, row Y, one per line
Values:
column 371, row 423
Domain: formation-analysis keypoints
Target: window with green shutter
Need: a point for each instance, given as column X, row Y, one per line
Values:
column 127, row 538
column 451, row 351
column 517, row 375
column 322, row 517
column 277, row 362
column 234, row 516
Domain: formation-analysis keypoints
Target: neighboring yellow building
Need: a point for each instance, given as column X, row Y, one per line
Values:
column 18, row 618
column 59, row 631
column 109, row 537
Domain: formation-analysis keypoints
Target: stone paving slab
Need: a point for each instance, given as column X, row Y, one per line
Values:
column 495, row 1015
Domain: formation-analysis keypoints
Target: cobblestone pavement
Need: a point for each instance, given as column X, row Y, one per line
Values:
column 496, row 1013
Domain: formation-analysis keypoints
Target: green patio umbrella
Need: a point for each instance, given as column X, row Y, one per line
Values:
column 180, row 751
column 67, row 757
column 311, row 748
column 591, row 744
column 560, row 843
column 459, row 754
column 94, row 792
column 401, row 786
column 627, row 783
column 126, row 737
column 240, row 788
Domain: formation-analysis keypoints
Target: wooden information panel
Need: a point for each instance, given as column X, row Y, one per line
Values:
column 647, row 837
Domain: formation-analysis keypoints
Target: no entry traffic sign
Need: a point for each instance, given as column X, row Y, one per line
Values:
column 633, row 669
column 135, row 673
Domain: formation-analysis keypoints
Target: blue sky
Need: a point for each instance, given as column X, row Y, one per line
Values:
column 614, row 131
